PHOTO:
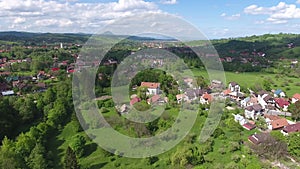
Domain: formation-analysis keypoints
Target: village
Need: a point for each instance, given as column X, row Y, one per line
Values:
column 267, row 107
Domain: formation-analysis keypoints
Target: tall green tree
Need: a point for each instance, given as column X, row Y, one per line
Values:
column 70, row 159
column 295, row 110
column 36, row 159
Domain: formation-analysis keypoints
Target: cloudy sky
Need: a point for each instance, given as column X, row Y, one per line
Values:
column 216, row 19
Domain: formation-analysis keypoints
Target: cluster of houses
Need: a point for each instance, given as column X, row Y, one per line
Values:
column 12, row 83
column 271, row 106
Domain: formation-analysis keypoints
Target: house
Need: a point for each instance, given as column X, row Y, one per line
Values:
column 216, row 84
column 188, row 82
column 155, row 99
column 295, row 98
column 123, row 109
column 134, row 100
column 8, row 93
column 226, row 92
column 206, row 98
column 181, row 98
column 244, row 103
column 258, row 138
column 4, row 87
column 236, row 95
column 281, row 103
column 253, row 111
column 291, row 128
column 279, row 93
column 240, row 119
column 191, row 94
column 153, row 88
column 264, row 99
column 275, row 122
column 234, row 87
column 249, row 126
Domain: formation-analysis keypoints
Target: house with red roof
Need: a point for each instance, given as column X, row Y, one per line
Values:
column 134, row 100
column 206, row 98
column 152, row 88
column 296, row 98
column 281, row 103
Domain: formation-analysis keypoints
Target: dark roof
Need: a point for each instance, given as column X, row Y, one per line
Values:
column 190, row 93
column 258, row 138
column 292, row 128
column 262, row 92
column 267, row 98
column 233, row 84
column 257, row 107
column 249, row 108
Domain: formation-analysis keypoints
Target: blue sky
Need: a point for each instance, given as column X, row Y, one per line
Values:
column 216, row 19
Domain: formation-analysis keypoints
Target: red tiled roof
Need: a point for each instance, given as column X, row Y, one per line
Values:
column 279, row 123
column 281, row 102
column 226, row 92
column 297, row 96
column 155, row 98
column 134, row 100
column 249, row 126
column 150, row 85
column 207, row 97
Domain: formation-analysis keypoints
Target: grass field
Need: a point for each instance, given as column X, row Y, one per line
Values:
column 248, row 80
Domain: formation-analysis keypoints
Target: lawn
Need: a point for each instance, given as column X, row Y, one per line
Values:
column 249, row 79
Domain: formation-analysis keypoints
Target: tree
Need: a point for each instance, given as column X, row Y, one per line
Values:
column 36, row 159
column 9, row 159
column 267, row 85
column 201, row 82
column 295, row 110
column 78, row 144
column 141, row 92
column 294, row 142
column 70, row 159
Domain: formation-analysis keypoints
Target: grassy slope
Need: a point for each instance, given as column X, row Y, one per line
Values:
column 247, row 80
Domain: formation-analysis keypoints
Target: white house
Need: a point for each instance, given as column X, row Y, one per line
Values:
column 234, row 87
column 240, row 119
column 279, row 93
column 251, row 112
column 181, row 98
column 265, row 99
column 153, row 88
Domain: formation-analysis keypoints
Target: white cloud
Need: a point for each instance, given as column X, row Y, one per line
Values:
column 278, row 14
column 169, row 2
column 231, row 17
column 298, row 1
column 67, row 15
column 19, row 20
column 223, row 14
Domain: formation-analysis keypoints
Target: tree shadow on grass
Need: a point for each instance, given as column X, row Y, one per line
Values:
column 97, row 166
column 89, row 149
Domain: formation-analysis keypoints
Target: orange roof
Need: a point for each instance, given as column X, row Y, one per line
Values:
column 272, row 117
column 180, row 96
column 279, row 123
column 297, row 96
column 150, row 85
column 207, row 97
column 226, row 92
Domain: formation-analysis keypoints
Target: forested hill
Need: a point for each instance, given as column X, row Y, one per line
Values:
column 269, row 46
column 274, row 46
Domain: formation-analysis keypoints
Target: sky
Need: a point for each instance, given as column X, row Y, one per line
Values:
column 215, row 19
